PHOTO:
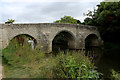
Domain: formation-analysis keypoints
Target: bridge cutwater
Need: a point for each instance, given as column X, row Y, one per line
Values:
column 44, row 34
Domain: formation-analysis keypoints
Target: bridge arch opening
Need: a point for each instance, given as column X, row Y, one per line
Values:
column 23, row 40
column 64, row 40
column 91, row 40
column 92, row 46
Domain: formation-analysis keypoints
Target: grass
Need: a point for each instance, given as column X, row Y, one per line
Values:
column 24, row 62
column 60, row 66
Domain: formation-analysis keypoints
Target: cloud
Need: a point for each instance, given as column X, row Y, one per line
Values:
column 37, row 11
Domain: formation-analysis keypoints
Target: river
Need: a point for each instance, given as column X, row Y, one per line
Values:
column 106, row 62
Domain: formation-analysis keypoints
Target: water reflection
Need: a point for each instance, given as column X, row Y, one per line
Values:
column 105, row 62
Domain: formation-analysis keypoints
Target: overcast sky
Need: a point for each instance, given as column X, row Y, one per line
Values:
column 44, row 11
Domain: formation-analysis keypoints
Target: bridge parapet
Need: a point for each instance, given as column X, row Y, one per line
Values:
column 49, row 24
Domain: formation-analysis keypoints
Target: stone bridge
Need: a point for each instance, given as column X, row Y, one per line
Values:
column 45, row 33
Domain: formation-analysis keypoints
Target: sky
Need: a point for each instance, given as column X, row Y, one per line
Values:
column 44, row 11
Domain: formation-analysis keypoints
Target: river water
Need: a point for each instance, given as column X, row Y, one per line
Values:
column 106, row 62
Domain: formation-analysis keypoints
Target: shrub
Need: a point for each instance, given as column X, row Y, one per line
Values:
column 115, row 74
column 75, row 65
column 10, row 21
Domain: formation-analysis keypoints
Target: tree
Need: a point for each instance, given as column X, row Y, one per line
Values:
column 107, row 19
column 10, row 21
column 68, row 19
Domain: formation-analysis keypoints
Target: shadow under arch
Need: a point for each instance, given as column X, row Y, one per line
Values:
column 91, row 40
column 21, row 39
column 92, row 47
column 64, row 40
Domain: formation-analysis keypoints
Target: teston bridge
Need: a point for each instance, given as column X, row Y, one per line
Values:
column 45, row 33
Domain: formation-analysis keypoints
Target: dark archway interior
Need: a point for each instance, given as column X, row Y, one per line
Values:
column 22, row 39
column 91, row 46
column 91, row 40
column 61, row 41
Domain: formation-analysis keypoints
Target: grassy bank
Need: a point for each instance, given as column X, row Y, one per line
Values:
column 24, row 62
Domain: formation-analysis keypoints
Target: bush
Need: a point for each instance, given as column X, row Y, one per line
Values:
column 10, row 21
column 115, row 74
column 75, row 65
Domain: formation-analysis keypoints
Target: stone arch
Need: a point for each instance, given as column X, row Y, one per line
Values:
column 92, row 46
column 22, row 39
column 91, row 40
column 27, row 34
column 65, row 39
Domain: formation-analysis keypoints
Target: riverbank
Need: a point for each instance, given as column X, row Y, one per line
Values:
column 29, row 63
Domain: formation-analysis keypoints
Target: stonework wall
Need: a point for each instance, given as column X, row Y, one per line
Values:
column 0, row 36
column 44, row 33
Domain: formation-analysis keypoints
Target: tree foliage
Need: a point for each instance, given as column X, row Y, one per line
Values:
column 10, row 21
column 68, row 19
column 107, row 18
